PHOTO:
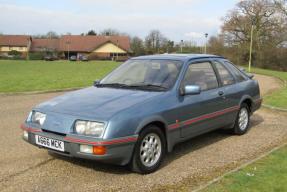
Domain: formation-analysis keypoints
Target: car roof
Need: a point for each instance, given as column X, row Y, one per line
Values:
column 182, row 57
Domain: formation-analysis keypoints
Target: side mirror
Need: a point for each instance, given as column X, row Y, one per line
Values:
column 242, row 69
column 250, row 75
column 97, row 82
column 191, row 90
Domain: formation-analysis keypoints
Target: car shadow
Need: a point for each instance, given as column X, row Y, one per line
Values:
column 179, row 150
column 96, row 166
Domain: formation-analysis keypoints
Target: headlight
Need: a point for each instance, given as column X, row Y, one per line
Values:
column 89, row 128
column 36, row 117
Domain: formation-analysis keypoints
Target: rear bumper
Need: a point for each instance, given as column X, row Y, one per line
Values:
column 119, row 151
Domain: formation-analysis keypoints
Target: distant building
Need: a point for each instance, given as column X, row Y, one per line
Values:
column 19, row 43
column 94, row 47
column 44, row 45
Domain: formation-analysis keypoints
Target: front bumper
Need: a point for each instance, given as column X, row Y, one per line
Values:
column 119, row 151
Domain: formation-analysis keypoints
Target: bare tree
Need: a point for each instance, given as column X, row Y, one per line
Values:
column 216, row 45
column 269, row 29
column 48, row 35
column 137, row 46
column 156, row 42
column 52, row 34
column 110, row 32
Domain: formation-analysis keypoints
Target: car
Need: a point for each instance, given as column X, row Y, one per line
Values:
column 136, row 114
column 73, row 58
column 84, row 58
column 50, row 58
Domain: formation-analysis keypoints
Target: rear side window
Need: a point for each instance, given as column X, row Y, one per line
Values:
column 237, row 73
column 201, row 74
column 225, row 76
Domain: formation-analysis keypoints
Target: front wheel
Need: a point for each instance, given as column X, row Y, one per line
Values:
column 242, row 122
column 149, row 150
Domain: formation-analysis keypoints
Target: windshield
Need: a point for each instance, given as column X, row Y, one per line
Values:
column 145, row 74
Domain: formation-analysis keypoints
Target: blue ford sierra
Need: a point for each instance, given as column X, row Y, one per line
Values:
column 138, row 112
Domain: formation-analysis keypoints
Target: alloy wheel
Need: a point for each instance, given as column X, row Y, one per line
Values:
column 150, row 150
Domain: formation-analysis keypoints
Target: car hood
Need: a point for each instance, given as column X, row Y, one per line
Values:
column 96, row 103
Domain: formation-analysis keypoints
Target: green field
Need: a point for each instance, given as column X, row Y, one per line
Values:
column 270, row 173
column 266, row 175
column 22, row 76
column 278, row 98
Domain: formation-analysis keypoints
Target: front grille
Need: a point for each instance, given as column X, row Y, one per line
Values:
column 56, row 133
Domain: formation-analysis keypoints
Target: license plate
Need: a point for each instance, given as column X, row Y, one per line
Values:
column 50, row 143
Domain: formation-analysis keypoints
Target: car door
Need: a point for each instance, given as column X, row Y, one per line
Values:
column 199, row 113
column 229, row 89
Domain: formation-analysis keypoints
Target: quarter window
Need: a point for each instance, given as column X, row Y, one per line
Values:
column 225, row 76
column 201, row 74
column 237, row 73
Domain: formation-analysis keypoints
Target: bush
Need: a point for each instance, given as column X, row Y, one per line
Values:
column 36, row 56
column 15, row 53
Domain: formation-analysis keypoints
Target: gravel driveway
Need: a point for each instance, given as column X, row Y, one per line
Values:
column 26, row 168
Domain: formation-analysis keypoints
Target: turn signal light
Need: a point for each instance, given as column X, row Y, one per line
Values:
column 99, row 150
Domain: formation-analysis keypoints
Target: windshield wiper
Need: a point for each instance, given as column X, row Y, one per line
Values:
column 133, row 86
column 112, row 85
column 148, row 86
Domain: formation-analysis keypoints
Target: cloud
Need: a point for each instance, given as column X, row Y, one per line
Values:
column 174, row 24
column 194, row 35
column 124, row 5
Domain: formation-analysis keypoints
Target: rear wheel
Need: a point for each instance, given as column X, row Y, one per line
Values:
column 242, row 122
column 149, row 150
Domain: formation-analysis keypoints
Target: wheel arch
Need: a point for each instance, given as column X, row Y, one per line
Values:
column 248, row 100
column 157, row 121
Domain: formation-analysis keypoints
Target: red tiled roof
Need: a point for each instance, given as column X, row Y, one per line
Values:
column 14, row 40
column 76, row 43
column 88, row 43
column 41, row 44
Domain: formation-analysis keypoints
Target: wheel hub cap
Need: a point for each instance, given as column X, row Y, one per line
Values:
column 150, row 149
column 243, row 119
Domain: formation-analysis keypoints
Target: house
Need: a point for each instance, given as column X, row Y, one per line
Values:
column 19, row 43
column 94, row 47
column 44, row 45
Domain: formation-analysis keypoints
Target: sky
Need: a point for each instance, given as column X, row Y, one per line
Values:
column 176, row 19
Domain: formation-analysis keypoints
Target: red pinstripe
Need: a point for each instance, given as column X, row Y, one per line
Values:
column 111, row 142
column 203, row 117
column 30, row 129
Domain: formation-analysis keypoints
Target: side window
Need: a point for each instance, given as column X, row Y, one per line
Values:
column 225, row 76
column 237, row 73
column 201, row 74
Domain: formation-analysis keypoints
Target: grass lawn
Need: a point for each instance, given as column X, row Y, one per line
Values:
column 270, row 173
column 278, row 98
column 266, row 175
column 21, row 76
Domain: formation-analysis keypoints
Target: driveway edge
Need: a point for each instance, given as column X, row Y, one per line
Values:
column 213, row 181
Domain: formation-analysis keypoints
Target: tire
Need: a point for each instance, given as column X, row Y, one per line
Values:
column 242, row 124
column 154, row 156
